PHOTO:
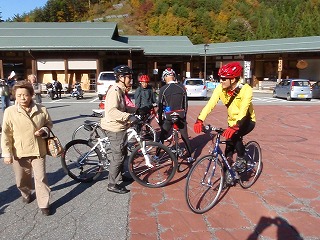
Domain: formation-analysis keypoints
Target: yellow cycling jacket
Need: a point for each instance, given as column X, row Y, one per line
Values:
column 240, row 107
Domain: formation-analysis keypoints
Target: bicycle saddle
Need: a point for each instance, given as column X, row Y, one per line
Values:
column 174, row 117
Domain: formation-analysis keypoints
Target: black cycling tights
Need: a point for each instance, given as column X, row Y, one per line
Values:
column 235, row 143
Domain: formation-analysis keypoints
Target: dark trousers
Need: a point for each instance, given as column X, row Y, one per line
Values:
column 182, row 125
column 116, row 154
column 236, row 143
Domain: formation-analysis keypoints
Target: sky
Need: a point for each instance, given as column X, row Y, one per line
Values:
column 9, row 8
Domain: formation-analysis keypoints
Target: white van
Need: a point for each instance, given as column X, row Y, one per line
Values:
column 105, row 79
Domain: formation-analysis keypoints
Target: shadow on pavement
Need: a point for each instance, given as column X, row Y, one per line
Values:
column 8, row 196
column 284, row 231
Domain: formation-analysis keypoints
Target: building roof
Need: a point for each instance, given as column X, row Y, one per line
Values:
column 164, row 45
column 288, row 45
column 60, row 36
column 86, row 36
column 90, row 36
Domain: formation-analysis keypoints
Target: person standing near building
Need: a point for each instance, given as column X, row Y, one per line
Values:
column 5, row 94
column 24, row 129
column 173, row 96
column 57, row 86
column 116, row 121
column 36, row 87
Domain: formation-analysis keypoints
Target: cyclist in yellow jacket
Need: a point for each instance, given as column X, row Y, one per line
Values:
column 241, row 117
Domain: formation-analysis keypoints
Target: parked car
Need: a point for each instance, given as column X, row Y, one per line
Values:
column 315, row 88
column 195, row 87
column 293, row 89
column 104, row 81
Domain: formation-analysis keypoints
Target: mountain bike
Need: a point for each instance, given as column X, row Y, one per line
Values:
column 85, row 160
column 207, row 177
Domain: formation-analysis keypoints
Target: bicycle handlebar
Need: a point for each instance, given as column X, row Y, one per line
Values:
column 208, row 128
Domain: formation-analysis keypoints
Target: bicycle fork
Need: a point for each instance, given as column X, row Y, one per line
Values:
column 207, row 175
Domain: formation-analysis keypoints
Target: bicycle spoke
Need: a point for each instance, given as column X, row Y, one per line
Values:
column 253, row 166
column 80, row 162
column 204, row 184
column 160, row 170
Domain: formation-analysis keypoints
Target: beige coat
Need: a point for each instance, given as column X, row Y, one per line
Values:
column 116, row 117
column 18, row 130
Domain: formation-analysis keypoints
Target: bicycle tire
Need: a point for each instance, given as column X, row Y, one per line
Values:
column 84, row 133
column 201, row 195
column 162, row 171
column 91, row 167
column 253, row 168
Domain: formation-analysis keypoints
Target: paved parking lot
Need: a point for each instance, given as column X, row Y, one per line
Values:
column 283, row 204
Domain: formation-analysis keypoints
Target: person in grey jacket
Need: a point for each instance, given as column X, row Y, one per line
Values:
column 144, row 95
column 24, row 129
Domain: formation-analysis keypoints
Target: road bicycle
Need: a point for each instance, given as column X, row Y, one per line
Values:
column 85, row 160
column 207, row 177
column 174, row 145
column 92, row 130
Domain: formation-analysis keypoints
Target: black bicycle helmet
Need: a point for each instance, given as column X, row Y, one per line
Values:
column 122, row 70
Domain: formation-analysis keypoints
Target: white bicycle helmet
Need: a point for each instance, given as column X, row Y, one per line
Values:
column 168, row 72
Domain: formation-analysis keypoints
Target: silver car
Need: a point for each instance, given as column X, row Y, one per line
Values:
column 195, row 87
column 293, row 89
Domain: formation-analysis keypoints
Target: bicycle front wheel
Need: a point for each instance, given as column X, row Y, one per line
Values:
column 150, row 170
column 82, row 162
column 204, row 184
column 253, row 157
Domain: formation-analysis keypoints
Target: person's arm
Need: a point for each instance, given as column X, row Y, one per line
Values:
column 7, row 139
column 160, row 106
column 113, row 98
column 137, row 97
column 153, row 96
column 45, row 130
column 211, row 103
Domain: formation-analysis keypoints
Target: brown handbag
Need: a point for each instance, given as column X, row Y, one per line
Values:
column 54, row 147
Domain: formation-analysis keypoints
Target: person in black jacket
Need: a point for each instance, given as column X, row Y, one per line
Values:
column 173, row 96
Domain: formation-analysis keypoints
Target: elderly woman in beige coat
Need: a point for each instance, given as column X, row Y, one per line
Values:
column 24, row 129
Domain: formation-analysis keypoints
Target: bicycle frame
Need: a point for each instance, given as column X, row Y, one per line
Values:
column 218, row 152
column 103, row 144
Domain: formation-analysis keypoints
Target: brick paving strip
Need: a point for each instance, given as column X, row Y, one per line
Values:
column 283, row 204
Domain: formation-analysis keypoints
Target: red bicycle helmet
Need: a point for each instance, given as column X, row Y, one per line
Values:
column 144, row 78
column 230, row 70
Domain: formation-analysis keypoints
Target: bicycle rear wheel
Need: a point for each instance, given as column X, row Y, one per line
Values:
column 81, row 162
column 253, row 168
column 204, row 184
column 83, row 132
column 162, row 168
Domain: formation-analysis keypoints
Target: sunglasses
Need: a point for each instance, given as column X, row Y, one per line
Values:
column 224, row 79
